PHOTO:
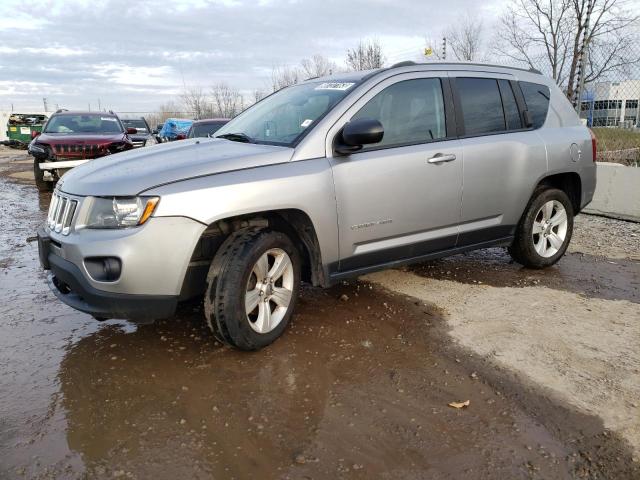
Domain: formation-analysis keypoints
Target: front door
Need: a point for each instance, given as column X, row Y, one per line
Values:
column 400, row 198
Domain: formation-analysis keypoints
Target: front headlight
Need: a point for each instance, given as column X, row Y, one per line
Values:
column 120, row 212
column 35, row 148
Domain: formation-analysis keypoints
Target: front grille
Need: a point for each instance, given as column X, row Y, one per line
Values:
column 61, row 211
column 80, row 150
column 138, row 143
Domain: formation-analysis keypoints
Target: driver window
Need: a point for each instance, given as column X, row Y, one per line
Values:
column 411, row 111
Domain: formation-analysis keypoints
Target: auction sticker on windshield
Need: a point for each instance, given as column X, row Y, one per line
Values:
column 335, row 86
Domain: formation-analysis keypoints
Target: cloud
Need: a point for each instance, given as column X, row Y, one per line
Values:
column 137, row 55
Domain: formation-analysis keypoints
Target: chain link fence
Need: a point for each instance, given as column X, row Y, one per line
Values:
column 610, row 107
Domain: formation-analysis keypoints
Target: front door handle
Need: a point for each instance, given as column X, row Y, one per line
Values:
column 441, row 158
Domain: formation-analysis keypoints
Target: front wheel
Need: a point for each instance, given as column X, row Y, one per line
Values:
column 544, row 232
column 252, row 287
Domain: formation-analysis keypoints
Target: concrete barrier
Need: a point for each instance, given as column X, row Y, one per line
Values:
column 617, row 192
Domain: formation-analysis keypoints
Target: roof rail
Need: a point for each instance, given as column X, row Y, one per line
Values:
column 406, row 63
column 410, row 63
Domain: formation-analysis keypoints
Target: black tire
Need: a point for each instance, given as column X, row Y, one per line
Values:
column 38, row 174
column 231, row 268
column 523, row 250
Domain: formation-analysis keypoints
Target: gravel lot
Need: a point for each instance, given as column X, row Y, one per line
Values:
column 359, row 387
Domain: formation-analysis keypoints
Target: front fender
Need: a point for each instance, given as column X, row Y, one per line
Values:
column 302, row 185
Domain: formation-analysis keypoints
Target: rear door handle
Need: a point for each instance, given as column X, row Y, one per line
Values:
column 441, row 158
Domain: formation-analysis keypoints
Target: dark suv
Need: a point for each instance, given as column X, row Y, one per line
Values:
column 143, row 136
column 69, row 139
column 207, row 127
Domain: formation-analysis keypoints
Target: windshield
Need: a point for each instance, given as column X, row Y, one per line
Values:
column 283, row 117
column 139, row 124
column 85, row 123
column 205, row 129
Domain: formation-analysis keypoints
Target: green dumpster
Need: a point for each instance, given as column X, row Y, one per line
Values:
column 20, row 128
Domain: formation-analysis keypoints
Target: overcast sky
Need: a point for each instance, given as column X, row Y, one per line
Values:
column 135, row 55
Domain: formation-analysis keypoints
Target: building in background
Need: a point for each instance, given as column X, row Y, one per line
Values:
column 612, row 104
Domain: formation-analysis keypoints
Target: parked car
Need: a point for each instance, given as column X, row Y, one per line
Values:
column 206, row 128
column 324, row 180
column 143, row 136
column 69, row 139
column 175, row 129
column 156, row 132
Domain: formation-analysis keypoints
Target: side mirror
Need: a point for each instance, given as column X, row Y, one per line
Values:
column 34, row 134
column 357, row 133
column 132, row 131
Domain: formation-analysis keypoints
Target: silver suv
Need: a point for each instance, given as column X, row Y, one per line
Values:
column 324, row 180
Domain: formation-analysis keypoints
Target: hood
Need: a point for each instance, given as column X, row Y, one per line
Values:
column 71, row 139
column 130, row 173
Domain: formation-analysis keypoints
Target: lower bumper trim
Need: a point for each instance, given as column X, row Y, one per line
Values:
column 68, row 284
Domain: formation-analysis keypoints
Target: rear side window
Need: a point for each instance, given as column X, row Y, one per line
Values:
column 411, row 112
column 511, row 112
column 481, row 105
column 536, row 98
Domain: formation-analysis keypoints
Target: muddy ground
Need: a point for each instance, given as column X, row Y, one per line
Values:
column 358, row 387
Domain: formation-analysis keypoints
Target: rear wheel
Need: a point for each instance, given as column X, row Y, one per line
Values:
column 38, row 174
column 252, row 287
column 544, row 232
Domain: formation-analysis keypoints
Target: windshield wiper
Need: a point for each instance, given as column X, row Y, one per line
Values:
column 236, row 137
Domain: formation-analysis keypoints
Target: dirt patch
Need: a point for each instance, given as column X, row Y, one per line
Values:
column 587, row 275
column 606, row 237
column 571, row 330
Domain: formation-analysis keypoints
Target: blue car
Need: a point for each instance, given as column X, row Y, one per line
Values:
column 175, row 129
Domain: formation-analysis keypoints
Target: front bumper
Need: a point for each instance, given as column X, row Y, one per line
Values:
column 67, row 283
column 63, row 164
column 149, row 284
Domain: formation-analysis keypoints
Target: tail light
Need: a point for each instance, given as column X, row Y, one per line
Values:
column 594, row 145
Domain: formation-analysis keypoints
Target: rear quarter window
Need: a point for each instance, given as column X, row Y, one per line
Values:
column 536, row 97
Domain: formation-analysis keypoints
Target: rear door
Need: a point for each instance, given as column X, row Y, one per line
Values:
column 502, row 159
column 400, row 199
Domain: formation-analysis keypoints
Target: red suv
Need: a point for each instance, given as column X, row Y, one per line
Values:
column 70, row 139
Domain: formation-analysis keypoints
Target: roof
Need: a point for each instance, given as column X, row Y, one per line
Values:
column 365, row 74
column 83, row 112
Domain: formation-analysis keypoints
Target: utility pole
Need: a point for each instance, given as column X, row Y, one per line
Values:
column 577, row 95
column 44, row 101
column 444, row 48
column 99, row 106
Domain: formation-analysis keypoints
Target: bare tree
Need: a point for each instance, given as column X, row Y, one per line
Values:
column 227, row 101
column 195, row 101
column 317, row 66
column 548, row 35
column 465, row 39
column 285, row 76
column 258, row 94
column 366, row 56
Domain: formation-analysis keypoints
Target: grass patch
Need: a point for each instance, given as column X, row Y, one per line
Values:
column 616, row 139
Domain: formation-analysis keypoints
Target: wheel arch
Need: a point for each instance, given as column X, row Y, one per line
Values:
column 569, row 182
column 294, row 222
